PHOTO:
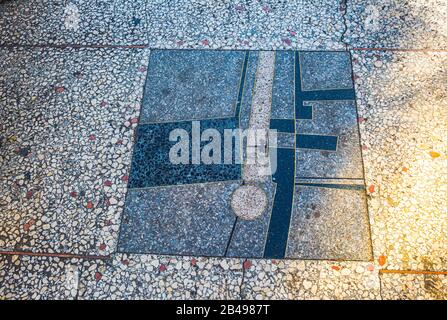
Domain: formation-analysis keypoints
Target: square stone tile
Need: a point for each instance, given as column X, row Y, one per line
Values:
column 193, row 220
column 334, row 124
column 188, row 85
column 325, row 71
column 283, row 93
column 329, row 223
column 152, row 164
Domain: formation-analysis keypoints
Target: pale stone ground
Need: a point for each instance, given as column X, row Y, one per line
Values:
column 71, row 195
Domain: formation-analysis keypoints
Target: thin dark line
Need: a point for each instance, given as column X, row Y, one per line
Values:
column 192, row 255
column 362, row 159
column 396, row 49
column 55, row 255
column 74, row 46
column 332, row 186
column 134, row 139
column 231, row 237
column 385, row 271
column 326, row 178
column 241, row 87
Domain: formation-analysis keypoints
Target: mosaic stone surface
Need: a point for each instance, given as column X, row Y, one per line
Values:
column 310, row 280
column 138, row 276
column 151, row 163
column 194, row 220
column 336, row 121
column 67, row 124
column 402, row 101
column 329, row 223
column 408, row 24
column 188, row 85
column 70, row 106
column 414, row 286
column 176, row 24
column 325, row 71
column 42, row 278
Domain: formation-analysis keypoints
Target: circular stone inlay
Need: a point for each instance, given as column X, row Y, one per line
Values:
column 249, row 202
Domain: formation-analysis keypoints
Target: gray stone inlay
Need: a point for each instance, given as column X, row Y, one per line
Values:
column 260, row 111
column 249, row 237
column 247, row 94
column 352, row 182
column 192, row 219
column 335, row 118
column 286, row 140
column 186, row 85
column 249, row 202
column 283, row 99
column 329, row 224
column 325, row 71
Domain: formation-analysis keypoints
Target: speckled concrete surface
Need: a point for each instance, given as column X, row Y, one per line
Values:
column 402, row 101
column 338, row 214
column 175, row 24
column 414, row 286
column 409, row 24
column 157, row 277
column 68, row 116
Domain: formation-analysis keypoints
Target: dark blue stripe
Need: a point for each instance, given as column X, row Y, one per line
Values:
column 304, row 112
column 333, row 185
column 241, row 86
column 301, row 111
column 283, row 125
column 339, row 94
column 275, row 247
column 318, row 142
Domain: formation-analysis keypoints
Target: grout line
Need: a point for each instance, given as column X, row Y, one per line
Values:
column 344, row 10
column 75, row 46
column 362, row 157
column 396, row 49
column 147, row 46
column 385, row 271
column 55, row 255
